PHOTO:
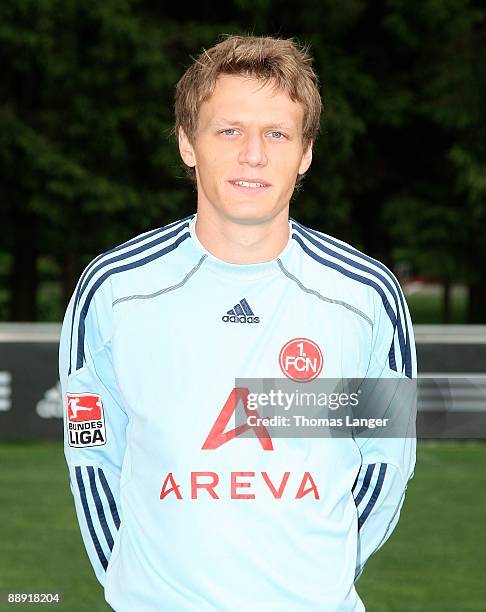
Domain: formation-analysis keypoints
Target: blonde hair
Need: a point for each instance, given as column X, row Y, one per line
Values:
column 277, row 60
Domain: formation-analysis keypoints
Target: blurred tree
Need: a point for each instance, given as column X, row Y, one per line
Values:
column 86, row 160
column 438, row 214
column 85, row 120
column 325, row 200
column 402, row 153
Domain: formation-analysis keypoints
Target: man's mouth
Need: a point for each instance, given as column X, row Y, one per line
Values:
column 247, row 183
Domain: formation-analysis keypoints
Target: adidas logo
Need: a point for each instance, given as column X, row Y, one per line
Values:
column 240, row 313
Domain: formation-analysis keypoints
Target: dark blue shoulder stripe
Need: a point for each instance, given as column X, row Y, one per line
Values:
column 353, row 275
column 89, row 269
column 100, row 259
column 386, row 272
column 144, row 247
column 107, row 274
column 363, row 268
column 394, row 318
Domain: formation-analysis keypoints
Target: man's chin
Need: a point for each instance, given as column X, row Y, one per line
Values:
column 249, row 219
column 252, row 214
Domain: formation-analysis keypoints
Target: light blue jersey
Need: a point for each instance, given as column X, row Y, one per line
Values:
column 178, row 511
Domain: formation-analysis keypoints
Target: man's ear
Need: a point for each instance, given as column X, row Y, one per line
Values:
column 306, row 159
column 186, row 149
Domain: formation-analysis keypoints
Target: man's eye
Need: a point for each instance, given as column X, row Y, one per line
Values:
column 277, row 135
column 229, row 131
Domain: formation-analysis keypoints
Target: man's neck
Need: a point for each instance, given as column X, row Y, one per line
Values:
column 241, row 243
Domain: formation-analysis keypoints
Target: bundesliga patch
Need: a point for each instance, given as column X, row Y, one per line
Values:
column 86, row 421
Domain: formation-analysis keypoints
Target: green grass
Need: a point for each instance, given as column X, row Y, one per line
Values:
column 436, row 558
column 434, row 562
column 40, row 545
column 427, row 309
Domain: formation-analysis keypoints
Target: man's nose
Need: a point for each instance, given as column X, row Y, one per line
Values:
column 253, row 150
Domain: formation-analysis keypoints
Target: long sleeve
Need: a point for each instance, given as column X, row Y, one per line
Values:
column 94, row 423
column 387, row 462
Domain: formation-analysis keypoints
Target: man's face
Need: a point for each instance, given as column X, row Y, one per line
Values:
column 248, row 150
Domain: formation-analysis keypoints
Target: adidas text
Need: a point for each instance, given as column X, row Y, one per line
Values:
column 240, row 319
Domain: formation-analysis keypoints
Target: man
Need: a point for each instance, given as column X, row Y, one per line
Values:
column 178, row 508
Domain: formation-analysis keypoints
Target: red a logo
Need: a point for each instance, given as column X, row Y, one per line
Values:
column 218, row 436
